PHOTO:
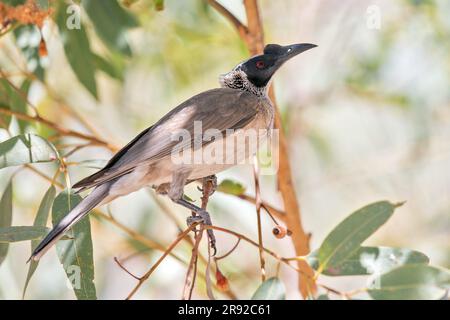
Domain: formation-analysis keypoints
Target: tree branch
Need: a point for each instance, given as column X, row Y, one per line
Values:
column 63, row 131
column 240, row 27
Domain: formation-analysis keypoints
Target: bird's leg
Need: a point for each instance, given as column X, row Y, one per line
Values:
column 213, row 180
column 176, row 194
column 202, row 216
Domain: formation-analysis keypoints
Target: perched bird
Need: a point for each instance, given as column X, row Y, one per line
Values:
column 241, row 103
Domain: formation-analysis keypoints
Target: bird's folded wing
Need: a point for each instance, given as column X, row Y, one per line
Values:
column 218, row 109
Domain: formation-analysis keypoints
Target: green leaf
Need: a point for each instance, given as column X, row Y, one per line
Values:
column 5, row 217
column 11, row 99
column 108, row 67
column 22, row 233
column 111, row 22
column 76, row 254
column 40, row 221
column 28, row 39
column 78, row 51
column 347, row 237
column 26, row 148
column 411, row 282
column 231, row 187
column 271, row 289
column 369, row 260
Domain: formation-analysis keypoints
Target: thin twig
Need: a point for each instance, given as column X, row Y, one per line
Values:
column 125, row 269
column 166, row 253
column 54, row 126
column 191, row 273
column 258, row 216
column 230, row 251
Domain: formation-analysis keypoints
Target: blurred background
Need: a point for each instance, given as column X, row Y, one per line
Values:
column 367, row 117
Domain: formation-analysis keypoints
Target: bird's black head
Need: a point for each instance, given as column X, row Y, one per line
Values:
column 260, row 69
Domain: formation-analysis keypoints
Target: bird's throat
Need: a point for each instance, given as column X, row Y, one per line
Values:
column 237, row 79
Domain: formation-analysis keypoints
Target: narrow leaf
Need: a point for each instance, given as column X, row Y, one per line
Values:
column 347, row 237
column 271, row 289
column 76, row 254
column 78, row 50
column 231, row 187
column 40, row 221
column 107, row 67
column 21, row 233
column 20, row 103
column 411, row 282
column 5, row 217
column 11, row 99
column 111, row 22
column 369, row 260
column 26, row 148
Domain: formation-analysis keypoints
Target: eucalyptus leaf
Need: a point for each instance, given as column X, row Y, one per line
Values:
column 26, row 148
column 411, row 282
column 5, row 217
column 347, row 237
column 76, row 254
column 108, row 67
column 78, row 50
column 21, row 233
column 40, row 221
column 271, row 289
column 111, row 23
column 231, row 187
column 11, row 99
column 369, row 260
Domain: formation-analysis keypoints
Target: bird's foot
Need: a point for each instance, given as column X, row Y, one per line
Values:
column 203, row 217
column 209, row 179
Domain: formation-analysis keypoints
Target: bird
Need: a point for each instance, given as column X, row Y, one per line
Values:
column 240, row 104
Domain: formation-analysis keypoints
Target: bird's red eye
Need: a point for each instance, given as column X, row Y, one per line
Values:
column 260, row 64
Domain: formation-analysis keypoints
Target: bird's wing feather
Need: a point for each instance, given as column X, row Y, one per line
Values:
column 219, row 109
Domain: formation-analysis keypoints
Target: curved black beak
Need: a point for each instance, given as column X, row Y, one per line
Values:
column 287, row 52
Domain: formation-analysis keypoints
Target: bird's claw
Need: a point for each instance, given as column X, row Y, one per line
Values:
column 203, row 217
column 213, row 180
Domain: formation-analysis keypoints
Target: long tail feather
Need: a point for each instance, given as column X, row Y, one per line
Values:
column 77, row 213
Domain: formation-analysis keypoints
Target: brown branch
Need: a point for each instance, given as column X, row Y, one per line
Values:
column 191, row 274
column 274, row 211
column 240, row 27
column 63, row 131
column 254, row 243
column 125, row 269
column 255, row 39
column 262, row 262
column 229, row 252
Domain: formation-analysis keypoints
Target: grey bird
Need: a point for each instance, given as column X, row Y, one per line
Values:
column 241, row 103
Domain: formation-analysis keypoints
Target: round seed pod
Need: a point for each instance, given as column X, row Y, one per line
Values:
column 279, row 231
